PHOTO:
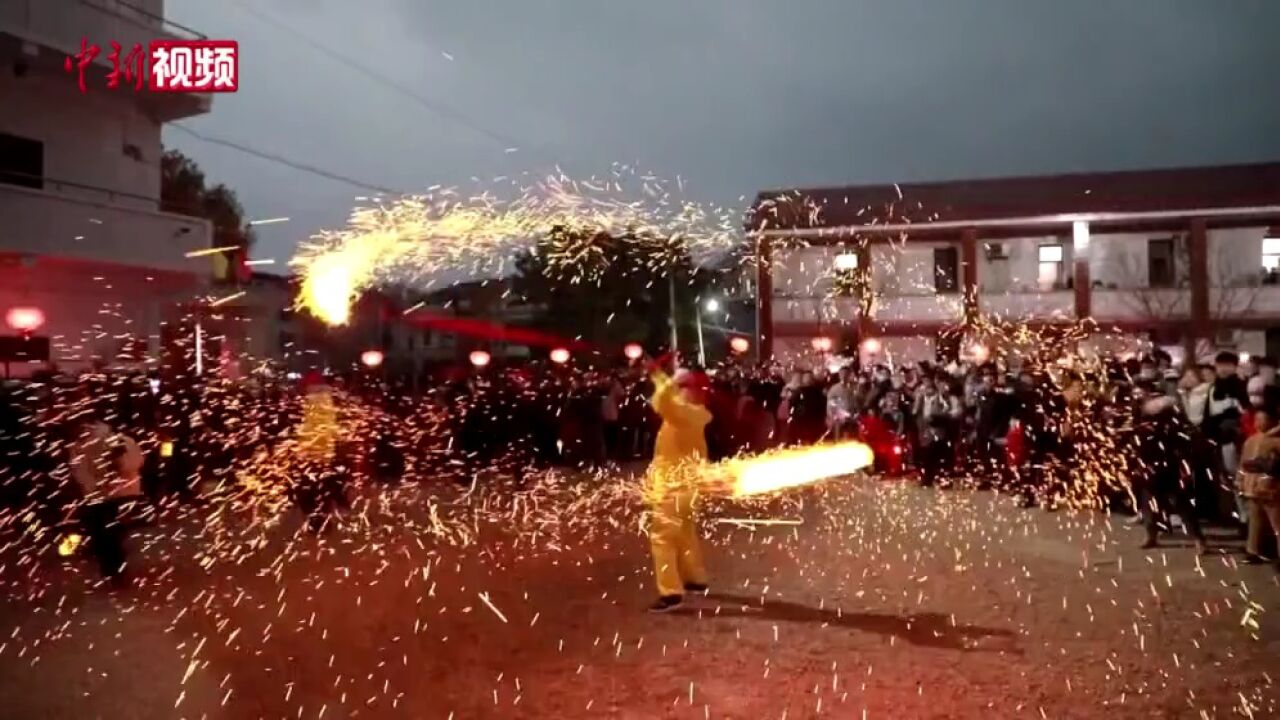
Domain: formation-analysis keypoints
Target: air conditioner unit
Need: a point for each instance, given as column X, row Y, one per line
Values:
column 996, row 251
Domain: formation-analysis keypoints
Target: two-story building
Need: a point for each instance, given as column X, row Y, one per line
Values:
column 82, row 239
column 1183, row 257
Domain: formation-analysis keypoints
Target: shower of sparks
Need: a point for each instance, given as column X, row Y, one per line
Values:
column 861, row 584
column 413, row 239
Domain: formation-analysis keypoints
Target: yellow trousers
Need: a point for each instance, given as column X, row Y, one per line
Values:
column 673, row 540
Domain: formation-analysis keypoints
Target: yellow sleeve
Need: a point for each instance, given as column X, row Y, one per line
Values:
column 671, row 406
column 664, row 395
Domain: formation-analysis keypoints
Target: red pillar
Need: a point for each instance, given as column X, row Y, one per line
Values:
column 969, row 269
column 866, row 292
column 764, row 299
column 1198, row 257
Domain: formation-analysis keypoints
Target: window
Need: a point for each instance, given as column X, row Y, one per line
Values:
column 844, row 280
column 846, row 262
column 1271, row 254
column 1162, row 268
column 21, row 161
column 946, row 269
column 1052, row 266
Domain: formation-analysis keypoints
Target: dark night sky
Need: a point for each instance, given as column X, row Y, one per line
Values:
column 734, row 96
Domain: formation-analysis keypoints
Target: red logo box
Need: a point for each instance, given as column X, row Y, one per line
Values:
column 194, row 66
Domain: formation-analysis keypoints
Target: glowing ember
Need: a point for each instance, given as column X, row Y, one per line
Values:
column 69, row 544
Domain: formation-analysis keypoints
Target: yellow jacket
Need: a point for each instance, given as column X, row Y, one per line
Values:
column 682, row 438
column 318, row 434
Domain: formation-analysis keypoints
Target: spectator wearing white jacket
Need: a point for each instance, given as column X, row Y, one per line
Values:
column 107, row 468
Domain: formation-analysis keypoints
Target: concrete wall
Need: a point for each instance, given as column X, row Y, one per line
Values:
column 85, row 136
column 1235, row 256
column 49, row 223
column 1020, row 271
column 60, row 24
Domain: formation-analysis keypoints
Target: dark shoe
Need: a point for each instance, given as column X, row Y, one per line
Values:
column 666, row 603
column 1251, row 559
column 695, row 587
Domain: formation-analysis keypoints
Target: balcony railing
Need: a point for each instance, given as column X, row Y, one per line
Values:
column 63, row 24
column 90, row 192
column 146, row 18
column 79, row 224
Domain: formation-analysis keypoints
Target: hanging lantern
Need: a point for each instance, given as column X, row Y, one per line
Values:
column 25, row 319
column 371, row 358
column 739, row 345
column 479, row 358
column 633, row 351
column 559, row 356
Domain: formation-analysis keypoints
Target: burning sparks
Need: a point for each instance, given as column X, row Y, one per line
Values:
column 416, row 238
column 349, row 620
column 795, row 467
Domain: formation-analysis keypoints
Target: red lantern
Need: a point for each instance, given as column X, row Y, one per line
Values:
column 739, row 345
column 560, row 356
column 479, row 358
column 633, row 351
column 871, row 346
column 371, row 358
column 822, row 344
column 25, row 319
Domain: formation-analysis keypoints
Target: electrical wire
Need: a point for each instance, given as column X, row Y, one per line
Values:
column 272, row 157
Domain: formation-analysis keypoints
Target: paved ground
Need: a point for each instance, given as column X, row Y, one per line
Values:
column 885, row 601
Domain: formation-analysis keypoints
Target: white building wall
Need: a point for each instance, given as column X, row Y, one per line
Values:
column 1235, row 256
column 803, row 272
column 902, row 269
column 1020, row 271
column 85, row 137
column 1010, row 288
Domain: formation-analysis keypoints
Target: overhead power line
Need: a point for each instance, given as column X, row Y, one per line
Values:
column 434, row 106
column 272, row 157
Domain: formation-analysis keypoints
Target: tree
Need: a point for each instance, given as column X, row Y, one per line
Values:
column 609, row 290
column 183, row 190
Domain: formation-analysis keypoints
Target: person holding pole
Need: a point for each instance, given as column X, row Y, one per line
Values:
column 671, row 483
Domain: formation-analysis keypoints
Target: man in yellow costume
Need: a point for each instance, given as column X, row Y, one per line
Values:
column 318, row 490
column 671, row 486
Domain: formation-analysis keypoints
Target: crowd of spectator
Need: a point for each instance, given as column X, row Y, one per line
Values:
column 1137, row 436
column 1171, row 447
